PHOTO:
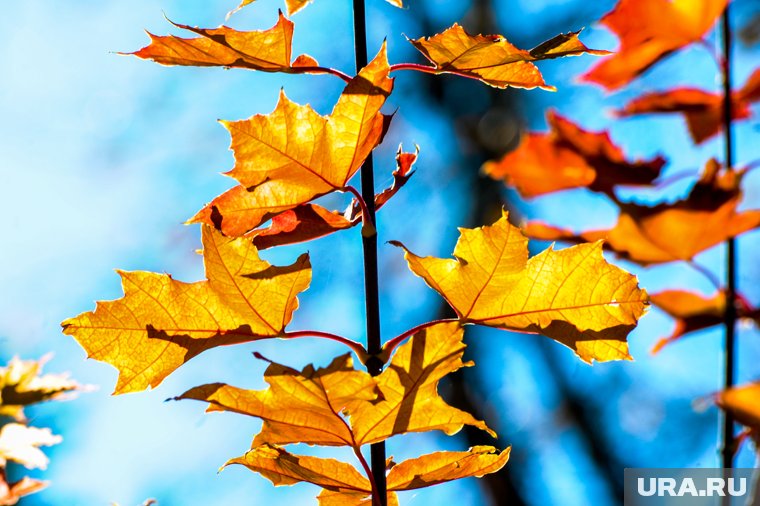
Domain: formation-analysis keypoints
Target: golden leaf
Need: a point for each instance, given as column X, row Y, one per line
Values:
column 441, row 467
column 161, row 323
column 267, row 50
column 409, row 399
column 492, row 59
column 20, row 444
column 294, row 155
column 573, row 295
column 298, row 406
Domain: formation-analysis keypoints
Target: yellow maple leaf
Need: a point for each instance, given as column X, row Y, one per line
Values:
column 294, row 155
column 409, row 389
column 573, row 295
column 266, row 50
column 492, row 59
column 161, row 323
column 298, row 406
column 440, row 467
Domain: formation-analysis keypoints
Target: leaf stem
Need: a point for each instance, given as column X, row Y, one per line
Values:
column 356, row 347
column 706, row 273
column 321, row 70
column 414, row 66
column 368, row 226
column 370, row 475
column 716, row 56
column 369, row 249
column 391, row 345
column 729, row 438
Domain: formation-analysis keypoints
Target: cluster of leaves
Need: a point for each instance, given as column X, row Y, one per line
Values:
column 285, row 160
column 22, row 384
column 569, row 157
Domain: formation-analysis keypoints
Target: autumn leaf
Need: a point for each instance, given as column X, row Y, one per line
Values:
column 492, row 59
column 671, row 232
column 743, row 403
column 311, row 221
column 268, row 50
column 403, row 398
column 570, row 157
column 332, row 498
column 20, row 443
column 21, row 384
column 11, row 493
column 299, row 406
column 693, row 311
column 441, row 467
column 161, row 323
column 294, row 6
column 702, row 110
column 294, row 155
column 648, row 31
column 573, row 295
column 409, row 400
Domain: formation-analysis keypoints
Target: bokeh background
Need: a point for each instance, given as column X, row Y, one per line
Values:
column 102, row 158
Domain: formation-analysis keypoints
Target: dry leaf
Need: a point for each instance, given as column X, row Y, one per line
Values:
column 162, row 323
column 493, row 60
column 570, row 157
column 573, row 295
column 648, row 31
column 294, row 155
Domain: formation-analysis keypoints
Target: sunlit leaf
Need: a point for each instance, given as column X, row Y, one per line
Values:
column 409, row 399
column 441, row 467
column 22, row 384
column 161, row 323
column 702, row 110
column 294, row 6
column 331, row 498
column 743, row 403
column 21, row 444
column 11, row 493
column 670, row 232
column 691, row 312
column 492, row 59
column 310, row 221
column 294, row 155
column 573, row 295
column 299, row 406
column 648, row 31
column 267, row 50
column 570, row 157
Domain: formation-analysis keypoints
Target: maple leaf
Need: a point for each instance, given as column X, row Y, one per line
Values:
column 440, row 467
column 294, row 155
column 294, row 6
column 161, row 323
column 692, row 312
column 703, row 110
column 570, row 157
column 648, row 31
column 409, row 400
column 298, row 406
column 311, row 221
column 492, row 59
column 573, row 295
column 403, row 398
column 267, row 50
column 11, row 493
column 670, row 232
column 743, row 403
column 21, row 385
column 332, row 498
column 20, row 443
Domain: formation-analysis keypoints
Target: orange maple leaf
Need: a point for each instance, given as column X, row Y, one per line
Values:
column 266, row 50
column 294, row 155
column 311, row 221
column 161, row 323
column 573, row 296
column 570, row 157
column 670, row 232
column 648, row 31
column 743, row 403
column 492, row 59
column 703, row 110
